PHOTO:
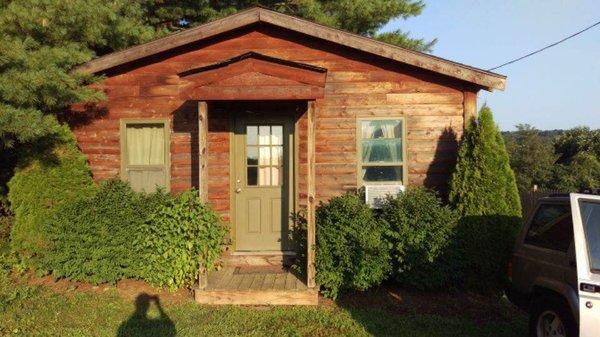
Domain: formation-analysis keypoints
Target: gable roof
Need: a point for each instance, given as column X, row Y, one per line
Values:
column 485, row 79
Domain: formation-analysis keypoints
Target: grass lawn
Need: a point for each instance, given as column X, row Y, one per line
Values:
column 28, row 308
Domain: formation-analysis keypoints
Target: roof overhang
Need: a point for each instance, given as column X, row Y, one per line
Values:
column 482, row 78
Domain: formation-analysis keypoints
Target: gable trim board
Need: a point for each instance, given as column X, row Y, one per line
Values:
column 482, row 78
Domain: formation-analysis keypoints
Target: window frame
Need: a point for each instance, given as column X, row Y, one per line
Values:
column 359, row 162
column 523, row 238
column 124, row 122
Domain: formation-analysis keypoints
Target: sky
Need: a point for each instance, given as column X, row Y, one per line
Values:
column 556, row 89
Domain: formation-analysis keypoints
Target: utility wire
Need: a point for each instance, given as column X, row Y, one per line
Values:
column 547, row 47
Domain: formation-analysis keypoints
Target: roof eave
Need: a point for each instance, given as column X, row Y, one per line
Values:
column 484, row 79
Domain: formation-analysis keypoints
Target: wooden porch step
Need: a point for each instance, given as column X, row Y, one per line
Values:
column 255, row 286
column 257, row 297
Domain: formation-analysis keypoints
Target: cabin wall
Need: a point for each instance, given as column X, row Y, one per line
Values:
column 358, row 85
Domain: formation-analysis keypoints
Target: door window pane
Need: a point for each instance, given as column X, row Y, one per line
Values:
column 251, row 135
column 551, row 228
column 264, row 151
column 590, row 217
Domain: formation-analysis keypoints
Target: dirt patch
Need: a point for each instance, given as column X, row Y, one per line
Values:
column 391, row 298
column 127, row 289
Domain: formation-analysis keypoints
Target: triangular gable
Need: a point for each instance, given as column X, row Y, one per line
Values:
column 253, row 76
column 482, row 78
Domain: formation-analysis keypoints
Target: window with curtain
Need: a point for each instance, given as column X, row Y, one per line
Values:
column 381, row 157
column 145, row 156
column 264, row 153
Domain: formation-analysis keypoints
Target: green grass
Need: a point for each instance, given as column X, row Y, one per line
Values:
column 38, row 311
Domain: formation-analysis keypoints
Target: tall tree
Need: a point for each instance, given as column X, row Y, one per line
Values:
column 364, row 17
column 483, row 182
column 41, row 41
column 531, row 157
column 576, row 140
column 484, row 191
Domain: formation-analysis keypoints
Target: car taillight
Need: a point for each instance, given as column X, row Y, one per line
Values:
column 509, row 270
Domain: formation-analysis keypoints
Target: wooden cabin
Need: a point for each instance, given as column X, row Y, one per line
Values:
column 267, row 114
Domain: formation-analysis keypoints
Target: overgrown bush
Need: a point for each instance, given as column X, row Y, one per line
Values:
column 6, row 219
column 178, row 239
column 92, row 238
column 52, row 173
column 351, row 253
column 484, row 192
column 418, row 230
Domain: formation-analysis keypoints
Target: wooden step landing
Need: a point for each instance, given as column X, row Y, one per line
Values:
column 255, row 286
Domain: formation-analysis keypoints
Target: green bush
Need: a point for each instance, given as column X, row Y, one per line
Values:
column 484, row 192
column 350, row 252
column 92, row 238
column 178, row 239
column 418, row 230
column 53, row 173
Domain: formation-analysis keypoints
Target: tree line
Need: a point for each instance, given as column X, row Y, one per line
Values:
column 565, row 160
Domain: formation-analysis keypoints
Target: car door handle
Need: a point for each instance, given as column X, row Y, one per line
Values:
column 589, row 288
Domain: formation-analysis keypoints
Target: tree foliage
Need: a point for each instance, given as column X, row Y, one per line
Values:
column 484, row 192
column 558, row 160
column 52, row 173
column 364, row 17
column 532, row 157
column 483, row 182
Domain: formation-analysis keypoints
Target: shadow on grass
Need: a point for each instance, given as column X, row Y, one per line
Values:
column 139, row 324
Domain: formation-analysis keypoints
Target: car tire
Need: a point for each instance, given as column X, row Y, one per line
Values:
column 551, row 314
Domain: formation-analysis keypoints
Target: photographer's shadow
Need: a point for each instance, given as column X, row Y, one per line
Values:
column 139, row 324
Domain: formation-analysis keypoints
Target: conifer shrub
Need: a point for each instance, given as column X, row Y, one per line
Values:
column 91, row 239
column 49, row 174
column 484, row 192
column 179, row 238
column 350, row 251
column 419, row 229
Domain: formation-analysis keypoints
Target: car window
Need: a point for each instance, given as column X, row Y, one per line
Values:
column 551, row 228
column 590, row 216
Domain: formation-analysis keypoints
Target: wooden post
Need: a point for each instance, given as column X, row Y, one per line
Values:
column 202, row 173
column 469, row 106
column 311, row 225
column 203, row 151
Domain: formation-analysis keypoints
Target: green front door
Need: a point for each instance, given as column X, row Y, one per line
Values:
column 262, row 182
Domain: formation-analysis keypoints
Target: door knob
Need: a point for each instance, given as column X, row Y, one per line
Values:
column 238, row 190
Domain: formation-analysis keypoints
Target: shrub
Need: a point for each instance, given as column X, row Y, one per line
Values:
column 53, row 173
column 350, row 252
column 418, row 230
column 91, row 238
column 6, row 219
column 484, row 191
column 178, row 239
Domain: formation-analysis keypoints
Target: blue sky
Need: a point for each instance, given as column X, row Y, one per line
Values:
column 556, row 89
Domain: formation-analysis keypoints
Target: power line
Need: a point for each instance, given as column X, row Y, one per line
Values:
column 548, row 46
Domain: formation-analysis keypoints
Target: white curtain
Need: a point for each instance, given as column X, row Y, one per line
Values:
column 145, row 145
column 264, row 156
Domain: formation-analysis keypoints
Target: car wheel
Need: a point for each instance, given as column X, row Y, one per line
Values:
column 551, row 317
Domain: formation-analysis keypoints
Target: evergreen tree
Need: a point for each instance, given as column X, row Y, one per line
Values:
column 364, row 17
column 484, row 191
column 483, row 182
column 41, row 42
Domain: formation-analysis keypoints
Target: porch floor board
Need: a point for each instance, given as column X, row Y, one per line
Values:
column 233, row 285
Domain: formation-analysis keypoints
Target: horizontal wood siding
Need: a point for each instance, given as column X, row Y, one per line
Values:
column 357, row 85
